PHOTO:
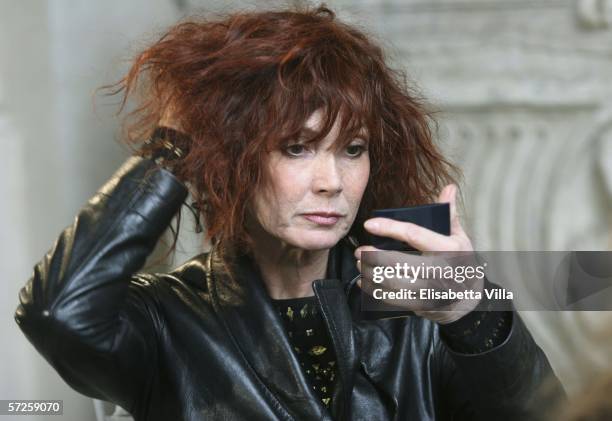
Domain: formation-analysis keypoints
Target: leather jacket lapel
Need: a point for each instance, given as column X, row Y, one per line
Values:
column 332, row 296
column 257, row 330
column 337, row 317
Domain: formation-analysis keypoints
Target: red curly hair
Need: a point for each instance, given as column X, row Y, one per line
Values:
column 245, row 83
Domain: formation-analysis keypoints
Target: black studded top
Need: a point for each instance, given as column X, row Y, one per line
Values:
column 311, row 343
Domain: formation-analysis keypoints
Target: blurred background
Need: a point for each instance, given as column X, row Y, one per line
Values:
column 523, row 91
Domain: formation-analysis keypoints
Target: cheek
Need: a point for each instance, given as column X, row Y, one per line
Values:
column 261, row 207
column 357, row 181
column 289, row 184
column 277, row 202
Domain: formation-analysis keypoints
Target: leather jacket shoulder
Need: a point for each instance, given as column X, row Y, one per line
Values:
column 203, row 342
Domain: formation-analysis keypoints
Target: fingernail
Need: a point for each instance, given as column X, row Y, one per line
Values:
column 371, row 225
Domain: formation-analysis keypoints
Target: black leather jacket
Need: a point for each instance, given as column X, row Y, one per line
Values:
column 195, row 344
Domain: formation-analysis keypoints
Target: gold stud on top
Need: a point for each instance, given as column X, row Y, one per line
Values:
column 317, row 350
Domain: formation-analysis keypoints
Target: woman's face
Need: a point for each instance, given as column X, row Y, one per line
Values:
column 315, row 192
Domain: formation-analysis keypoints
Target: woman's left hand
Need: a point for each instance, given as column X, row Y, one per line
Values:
column 426, row 240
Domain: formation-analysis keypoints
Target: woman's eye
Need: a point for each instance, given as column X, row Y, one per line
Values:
column 295, row 150
column 355, row 150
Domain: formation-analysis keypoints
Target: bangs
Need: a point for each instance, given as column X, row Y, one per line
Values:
column 337, row 84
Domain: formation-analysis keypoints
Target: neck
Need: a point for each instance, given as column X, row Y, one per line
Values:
column 288, row 272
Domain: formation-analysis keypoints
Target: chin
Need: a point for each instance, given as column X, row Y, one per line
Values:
column 315, row 240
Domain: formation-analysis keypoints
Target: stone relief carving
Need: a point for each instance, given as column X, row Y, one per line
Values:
column 594, row 14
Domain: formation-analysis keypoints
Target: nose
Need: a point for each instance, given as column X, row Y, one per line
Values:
column 327, row 176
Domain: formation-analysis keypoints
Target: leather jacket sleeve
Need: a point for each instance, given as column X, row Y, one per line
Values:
column 83, row 308
column 508, row 382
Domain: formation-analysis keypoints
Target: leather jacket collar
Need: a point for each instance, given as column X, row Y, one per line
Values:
column 257, row 330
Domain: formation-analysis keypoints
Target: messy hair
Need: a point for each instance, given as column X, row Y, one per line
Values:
column 246, row 83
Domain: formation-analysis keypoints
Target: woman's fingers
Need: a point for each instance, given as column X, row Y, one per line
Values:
column 449, row 195
column 421, row 238
column 418, row 237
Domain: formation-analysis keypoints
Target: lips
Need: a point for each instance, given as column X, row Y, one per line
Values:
column 323, row 218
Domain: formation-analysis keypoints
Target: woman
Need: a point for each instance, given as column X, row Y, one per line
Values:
column 290, row 129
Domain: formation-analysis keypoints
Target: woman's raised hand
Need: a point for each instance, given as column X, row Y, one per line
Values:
column 421, row 238
column 426, row 240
